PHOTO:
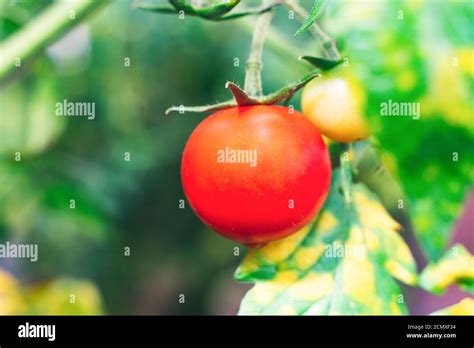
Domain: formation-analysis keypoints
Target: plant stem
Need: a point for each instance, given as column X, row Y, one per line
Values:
column 42, row 31
column 346, row 172
column 329, row 45
column 277, row 42
column 253, row 66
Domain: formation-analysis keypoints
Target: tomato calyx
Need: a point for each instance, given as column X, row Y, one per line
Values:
column 242, row 98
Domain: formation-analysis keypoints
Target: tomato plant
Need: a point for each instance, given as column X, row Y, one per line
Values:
column 256, row 173
column 354, row 218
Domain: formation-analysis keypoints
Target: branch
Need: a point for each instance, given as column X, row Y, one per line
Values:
column 253, row 67
column 54, row 22
column 279, row 43
column 329, row 45
column 346, row 172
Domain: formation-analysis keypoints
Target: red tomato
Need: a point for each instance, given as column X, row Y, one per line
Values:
column 256, row 174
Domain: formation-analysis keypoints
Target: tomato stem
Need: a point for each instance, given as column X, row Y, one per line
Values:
column 253, row 66
column 328, row 43
column 346, row 171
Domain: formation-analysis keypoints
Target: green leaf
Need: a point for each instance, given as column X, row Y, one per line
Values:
column 455, row 267
column 154, row 7
column 342, row 263
column 464, row 307
column 313, row 15
column 248, row 12
column 322, row 63
column 210, row 11
column 213, row 12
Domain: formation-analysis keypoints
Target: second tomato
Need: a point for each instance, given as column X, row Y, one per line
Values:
column 335, row 105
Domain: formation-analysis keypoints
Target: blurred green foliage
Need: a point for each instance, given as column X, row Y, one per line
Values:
column 61, row 296
column 422, row 52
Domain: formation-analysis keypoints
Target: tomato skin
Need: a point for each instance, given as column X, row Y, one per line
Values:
column 335, row 106
column 253, row 204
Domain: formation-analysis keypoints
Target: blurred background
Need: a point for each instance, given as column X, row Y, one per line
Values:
column 133, row 65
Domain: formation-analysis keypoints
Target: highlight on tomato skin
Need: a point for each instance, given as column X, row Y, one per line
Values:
column 256, row 174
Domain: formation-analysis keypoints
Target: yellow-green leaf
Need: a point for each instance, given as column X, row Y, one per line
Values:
column 60, row 296
column 455, row 267
column 65, row 296
column 464, row 307
column 342, row 263
column 313, row 15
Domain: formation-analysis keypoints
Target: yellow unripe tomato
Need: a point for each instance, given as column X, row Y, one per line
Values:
column 335, row 105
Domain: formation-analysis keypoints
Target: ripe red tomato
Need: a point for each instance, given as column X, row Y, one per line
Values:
column 256, row 174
